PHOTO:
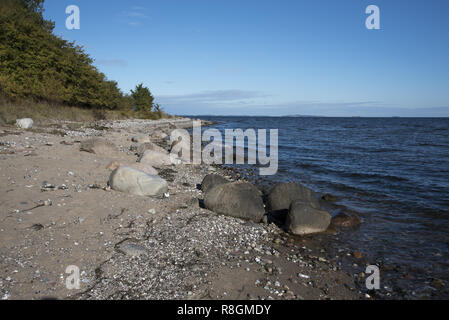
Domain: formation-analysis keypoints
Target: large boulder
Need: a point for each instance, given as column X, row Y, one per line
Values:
column 136, row 182
column 283, row 194
column 99, row 147
column 236, row 199
column 155, row 158
column 212, row 180
column 148, row 169
column 25, row 123
column 303, row 219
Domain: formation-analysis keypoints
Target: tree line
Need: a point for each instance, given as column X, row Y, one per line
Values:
column 36, row 64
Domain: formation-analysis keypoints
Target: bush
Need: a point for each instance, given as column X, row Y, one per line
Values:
column 36, row 64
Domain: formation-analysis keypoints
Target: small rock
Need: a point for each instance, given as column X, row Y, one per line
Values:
column 329, row 197
column 133, row 249
column 25, row 123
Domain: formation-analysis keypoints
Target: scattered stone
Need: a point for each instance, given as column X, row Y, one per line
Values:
column 212, row 180
column 236, row 199
column 303, row 219
column 133, row 181
column 357, row 255
column 47, row 186
column 25, row 123
column 283, row 194
column 37, row 227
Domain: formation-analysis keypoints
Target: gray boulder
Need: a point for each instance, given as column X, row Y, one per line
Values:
column 212, row 180
column 156, row 158
column 99, row 147
column 236, row 199
column 283, row 194
column 25, row 123
column 136, row 182
column 302, row 219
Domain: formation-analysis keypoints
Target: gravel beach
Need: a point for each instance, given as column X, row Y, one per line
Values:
column 56, row 210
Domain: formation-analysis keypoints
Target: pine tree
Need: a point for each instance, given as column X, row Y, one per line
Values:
column 143, row 99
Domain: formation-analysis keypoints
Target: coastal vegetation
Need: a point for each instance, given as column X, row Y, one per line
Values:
column 44, row 75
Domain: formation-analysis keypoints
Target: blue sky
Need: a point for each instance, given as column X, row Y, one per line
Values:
column 255, row 57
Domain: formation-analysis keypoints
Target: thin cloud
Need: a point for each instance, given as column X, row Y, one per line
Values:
column 213, row 96
column 135, row 15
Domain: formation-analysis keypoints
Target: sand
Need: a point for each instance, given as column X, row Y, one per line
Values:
column 132, row 247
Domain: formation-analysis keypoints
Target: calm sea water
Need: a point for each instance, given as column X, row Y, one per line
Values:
column 393, row 171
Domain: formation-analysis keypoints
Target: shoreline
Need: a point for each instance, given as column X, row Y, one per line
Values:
column 188, row 252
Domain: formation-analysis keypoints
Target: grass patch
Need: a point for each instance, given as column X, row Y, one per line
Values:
column 45, row 112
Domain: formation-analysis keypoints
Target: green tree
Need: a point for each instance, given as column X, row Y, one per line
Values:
column 36, row 64
column 143, row 99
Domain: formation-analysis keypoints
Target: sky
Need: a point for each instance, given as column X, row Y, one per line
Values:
column 257, row 57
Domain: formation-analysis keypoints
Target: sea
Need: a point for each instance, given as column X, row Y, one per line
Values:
column 393, row 172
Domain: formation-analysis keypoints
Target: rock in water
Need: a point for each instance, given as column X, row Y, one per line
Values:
column 25, row 123
column 212, row 180
column 344, row 220
column 99, row 146
column 133, row 181
column 236, row 199
column 303, row 219
column 283, row 194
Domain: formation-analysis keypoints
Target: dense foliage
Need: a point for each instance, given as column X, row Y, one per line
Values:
column 143, row 99
column 36, row 64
